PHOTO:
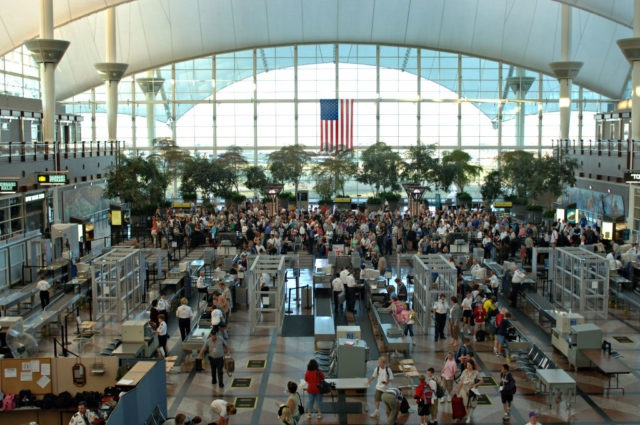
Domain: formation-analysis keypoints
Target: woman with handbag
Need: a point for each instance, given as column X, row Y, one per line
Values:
column 467, row 387
column 294, row 403
column 313, row 377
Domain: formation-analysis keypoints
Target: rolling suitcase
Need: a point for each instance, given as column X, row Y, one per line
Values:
column 457, row 408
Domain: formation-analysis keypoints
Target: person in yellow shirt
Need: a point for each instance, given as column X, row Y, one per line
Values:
column 490, row 306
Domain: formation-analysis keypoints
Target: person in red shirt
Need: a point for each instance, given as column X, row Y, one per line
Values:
column 499, row 317
column 313, row 376
column 479, row 316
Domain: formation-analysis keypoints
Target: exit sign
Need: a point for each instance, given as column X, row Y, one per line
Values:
column 8, row 186
column 46, row 179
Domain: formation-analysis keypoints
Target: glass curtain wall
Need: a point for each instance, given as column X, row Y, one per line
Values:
column 265, row 98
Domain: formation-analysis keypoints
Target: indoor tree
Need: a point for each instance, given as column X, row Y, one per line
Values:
column 211, row 177
column 287, row 164
column 234, row 158
column 332, row 173
column 421, row 165
column 256, row 179
column 491, row 188
column 519, row 168
column 137, row 181
column 170, row 158
column 380, row 168
column 458, row 162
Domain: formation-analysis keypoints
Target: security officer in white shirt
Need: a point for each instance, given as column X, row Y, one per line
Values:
column 201, row 283
column 184, row 315
column 440, row 309
column 338, row 288
column 351, row 286
column 83, row 416
column 477, row 271
column 516, row 284
column 43, row 287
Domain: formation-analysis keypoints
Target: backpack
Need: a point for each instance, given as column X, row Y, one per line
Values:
column 25, row 398
column 439, row 390
column 64, row 400
column 9, row 402
column 427, row 394
column 462, row 351
column 404, row 405
column 48, row 401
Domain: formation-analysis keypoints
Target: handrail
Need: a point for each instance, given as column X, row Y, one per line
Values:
column 16, row 151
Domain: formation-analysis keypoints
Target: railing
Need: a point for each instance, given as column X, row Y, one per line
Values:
column 38, row 151
column 606, row 147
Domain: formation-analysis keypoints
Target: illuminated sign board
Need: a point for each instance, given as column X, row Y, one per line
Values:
column 45, row 179
column 502, row 204
column 632, row 177
column 8, row 186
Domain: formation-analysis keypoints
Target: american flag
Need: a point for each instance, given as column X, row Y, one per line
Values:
column 336, row 124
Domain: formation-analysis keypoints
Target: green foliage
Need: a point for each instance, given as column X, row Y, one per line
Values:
column 457, row 163
column 530, row 177
column 463, row 196
column 234, row 159
column 549, row 214
column 137, row 181
column 518, row 167
column 380, row 167
column 169, row 157
column 389, row 196
column 492, row 186
column 236, row 197
column 535, row 208
column 516, row 200
column 332, row 173
column 325, row 202
column 287, row 164
column 212, row 177
column 287, row 196
column 421, row 165
column 256, row 179
column 374, row 201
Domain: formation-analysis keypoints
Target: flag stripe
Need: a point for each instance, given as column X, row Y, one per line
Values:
column 336, row 124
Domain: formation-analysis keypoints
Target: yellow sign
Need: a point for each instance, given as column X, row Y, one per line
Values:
column 502, row 204
column 342, row 200
column 116, row 218
column 181, row 205
column 42, row 179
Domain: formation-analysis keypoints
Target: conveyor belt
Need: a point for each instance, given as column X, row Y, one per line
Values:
column 628, row 296
column 323, row 304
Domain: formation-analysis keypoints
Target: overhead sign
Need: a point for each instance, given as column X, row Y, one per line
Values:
column 47, row 179
column 632, row 177
column 502, row 204
column 342, row 200
column 8, row 186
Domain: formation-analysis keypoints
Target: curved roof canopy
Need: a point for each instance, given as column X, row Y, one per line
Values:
column 156, row 32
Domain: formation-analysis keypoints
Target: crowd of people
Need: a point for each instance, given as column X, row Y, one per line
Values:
column 472, row 314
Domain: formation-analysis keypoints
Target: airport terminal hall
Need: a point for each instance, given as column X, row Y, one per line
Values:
column 319, row 212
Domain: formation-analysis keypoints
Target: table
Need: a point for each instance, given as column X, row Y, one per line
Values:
column 557, row 381
column 349, row 383
column 608, row 365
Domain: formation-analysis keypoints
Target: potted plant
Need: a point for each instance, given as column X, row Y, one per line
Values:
column 463, row 199
column 374, row 203
column 392, row 198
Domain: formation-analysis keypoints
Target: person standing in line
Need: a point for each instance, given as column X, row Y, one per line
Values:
column 294, row 401
column 391, row 399
column 217, row 348
column 223, row 409
column 479, row 315
column 502, row 332
column 408, row 319
column 401, row 290
column 433, row 408
column 440, row 309
column 226, row 293
column 516, row 284
column 467, row 312
column 449, row 375
column 153, row 314
column 313, row 377
column 162, row 334
column 163, row 305
column 351, row 286
column 507, row 388
column 384, row 375
column 184, row 315
column 455, row 315
column 43, row 288
column 337, row 287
